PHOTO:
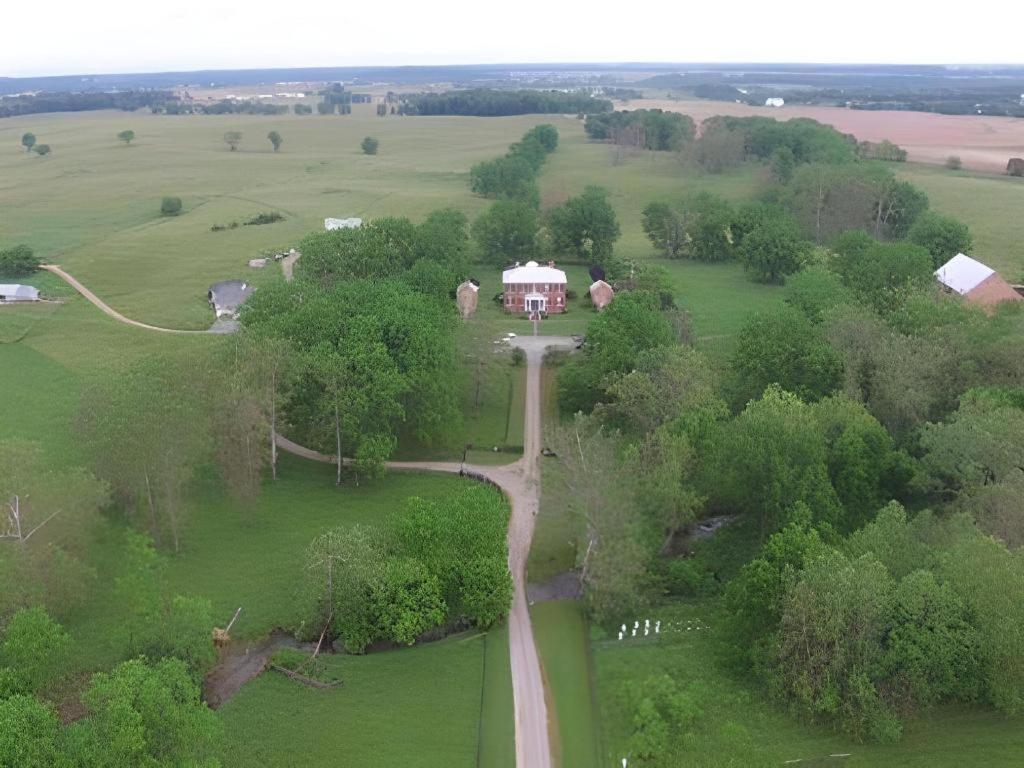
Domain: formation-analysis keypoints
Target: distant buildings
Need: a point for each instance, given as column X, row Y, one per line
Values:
column 976, row 282
column 534, row 289
column 352, row 223
column 774, row 101
column 16, row 292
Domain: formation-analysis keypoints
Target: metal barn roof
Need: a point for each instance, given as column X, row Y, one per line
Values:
column 963, row 274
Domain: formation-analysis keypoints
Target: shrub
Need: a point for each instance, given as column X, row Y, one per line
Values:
column 1015, row 167
column 369, row 145
column 44, row 149
column 17, row 261
column 953, row 163
column 263, row 218
column 518, row 356
column 170, row 206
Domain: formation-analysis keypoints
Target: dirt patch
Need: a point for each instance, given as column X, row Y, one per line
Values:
column 982, row 142
column 240, row 662
column 564, row 586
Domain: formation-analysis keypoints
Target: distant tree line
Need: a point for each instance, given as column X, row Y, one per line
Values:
column 12, row 106
column 490, row 102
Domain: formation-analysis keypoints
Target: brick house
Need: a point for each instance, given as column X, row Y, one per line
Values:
column 532, row 288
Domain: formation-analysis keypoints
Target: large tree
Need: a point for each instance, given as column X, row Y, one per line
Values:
column 943, row 236
column 506, row 232
column 585, row 227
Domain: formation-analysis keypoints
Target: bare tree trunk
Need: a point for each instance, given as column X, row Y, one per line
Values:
column 153, row 522
column 172, row 516
column 337, row 439
column 273, row 425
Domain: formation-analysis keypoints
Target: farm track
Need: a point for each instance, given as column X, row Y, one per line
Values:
column 520, row 481
column 106, row 308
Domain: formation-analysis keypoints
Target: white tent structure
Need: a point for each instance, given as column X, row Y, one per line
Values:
column 17, row 292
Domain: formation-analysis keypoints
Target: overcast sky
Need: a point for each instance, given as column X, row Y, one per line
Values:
column 105, row 36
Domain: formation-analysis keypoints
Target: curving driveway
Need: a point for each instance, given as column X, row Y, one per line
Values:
column 106, row 308
column 521, row 483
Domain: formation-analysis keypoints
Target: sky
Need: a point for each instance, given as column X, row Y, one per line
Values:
column 111, row 36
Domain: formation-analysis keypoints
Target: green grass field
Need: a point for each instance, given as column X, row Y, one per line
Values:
column 563, row 642
column 418, row 706
column 988, row 203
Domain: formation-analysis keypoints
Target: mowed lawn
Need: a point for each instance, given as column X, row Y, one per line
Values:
column 417, row 707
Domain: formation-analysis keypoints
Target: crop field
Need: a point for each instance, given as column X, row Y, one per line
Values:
column 983, row 143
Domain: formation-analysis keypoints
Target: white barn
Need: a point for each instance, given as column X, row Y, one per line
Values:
column 774, row 101
column 17, row 292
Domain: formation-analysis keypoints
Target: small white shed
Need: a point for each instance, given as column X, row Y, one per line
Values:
column 774, row 101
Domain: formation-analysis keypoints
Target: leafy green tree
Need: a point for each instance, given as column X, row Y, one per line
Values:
column 506, row 232
column 989, row 579
column 170, row 206
column 233, row 139
column 615, row 338
column 275, row 140
column 443, row 238
column 830, row 639
column 546, row 134
column 369, row 145
column 886, row 273
column 816, row 291
column 772, row 456
column 864, row 466
column 48, row 514
column 773, row 249
column 28, row 140
column 709, row 229
column 504, row 177
column 461, row 541
column 782, row 163
column 783, row 347
column 665, row 227
column 585, row 226
column 30, row 735
column 126, row 136
column 41, row 149
column 943, row 236
column 18, row 261
column 148, row 430
column 755, row 598
column 147, row 714
column 931, row 649
column 34, row 650
column 406, row 600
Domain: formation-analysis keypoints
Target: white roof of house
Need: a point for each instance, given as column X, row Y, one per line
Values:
column 963, row 274
column 531, row 272
column 16, row 289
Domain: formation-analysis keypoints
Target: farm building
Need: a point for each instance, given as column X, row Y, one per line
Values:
column 974, row 281
column 227, row 297
column 17, row 292
column 352, row 223
column 466, row 298
column 534, row 289
column 601, row 294
column 774, row 101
